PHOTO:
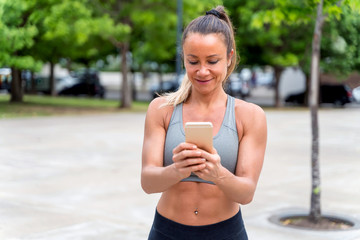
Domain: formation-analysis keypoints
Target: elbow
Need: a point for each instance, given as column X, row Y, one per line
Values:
column 248, row 194
column 148, row 182
column 247, row 198
column 146, row 187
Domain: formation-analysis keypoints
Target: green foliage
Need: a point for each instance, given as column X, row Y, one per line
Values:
column 193, row 9
column 16, row 34
column 279, row 33
column 108, row 29
column 316, row 190
column 341, row 43
column 154, row 28
column 68, row 21
column 271, row 32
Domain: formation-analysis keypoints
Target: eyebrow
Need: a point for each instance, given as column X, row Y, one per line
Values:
column 213, row 55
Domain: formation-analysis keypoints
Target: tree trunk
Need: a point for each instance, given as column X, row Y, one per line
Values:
column 52, row 79
column 315, row 209
column 126, row 87
column 179, row 29
column 277, row 74
column 133, row 86
column 307, row 90
column 16, row 86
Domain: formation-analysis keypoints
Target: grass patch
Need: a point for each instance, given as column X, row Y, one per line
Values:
column 34, row 105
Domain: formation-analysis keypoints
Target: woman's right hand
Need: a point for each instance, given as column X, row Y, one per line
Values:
column 187, row 159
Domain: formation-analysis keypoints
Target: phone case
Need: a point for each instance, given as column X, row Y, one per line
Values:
column 200, row 134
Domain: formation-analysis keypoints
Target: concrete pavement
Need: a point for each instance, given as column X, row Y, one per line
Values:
column 78, row 177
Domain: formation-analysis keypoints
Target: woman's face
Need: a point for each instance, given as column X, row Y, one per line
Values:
column 206, row 61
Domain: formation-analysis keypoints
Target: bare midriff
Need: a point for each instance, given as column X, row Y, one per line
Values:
column 196, row 204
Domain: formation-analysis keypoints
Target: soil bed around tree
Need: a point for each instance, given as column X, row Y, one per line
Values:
column 326, row 223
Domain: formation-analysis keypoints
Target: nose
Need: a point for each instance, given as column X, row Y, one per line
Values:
column 203, row 71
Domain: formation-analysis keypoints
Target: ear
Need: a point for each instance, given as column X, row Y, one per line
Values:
column 230, row 57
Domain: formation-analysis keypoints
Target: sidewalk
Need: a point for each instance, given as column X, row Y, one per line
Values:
column 75, row 178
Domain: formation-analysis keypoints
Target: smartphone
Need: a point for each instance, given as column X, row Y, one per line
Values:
column 200, row 134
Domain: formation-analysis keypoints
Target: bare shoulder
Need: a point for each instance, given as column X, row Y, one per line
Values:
column 249, row 115
column 246, row 109
column 159, row 112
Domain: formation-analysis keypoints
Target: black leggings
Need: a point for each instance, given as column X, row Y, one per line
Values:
column 166, row 229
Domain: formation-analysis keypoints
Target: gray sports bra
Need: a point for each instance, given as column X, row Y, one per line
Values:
column 226, row 141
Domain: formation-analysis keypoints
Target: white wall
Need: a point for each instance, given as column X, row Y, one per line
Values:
column 292, row 80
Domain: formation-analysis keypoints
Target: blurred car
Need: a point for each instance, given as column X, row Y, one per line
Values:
column 338, row 95
column 5, row 79
column 65, row 82
column 356, row 94
column 236, row 86
column 87, row 83
column 42, row 84
column 166, row 86
column 265, row 79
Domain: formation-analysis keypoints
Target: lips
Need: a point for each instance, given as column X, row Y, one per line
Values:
column 203, row 80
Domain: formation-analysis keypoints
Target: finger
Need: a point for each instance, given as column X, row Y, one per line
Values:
column 184, row 146
column 185, row 154
column 190, row 162
column 197, row 168
column 214, row 151
column 213, row 158
column 201, row 173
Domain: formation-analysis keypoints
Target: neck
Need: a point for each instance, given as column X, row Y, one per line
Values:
column 208, row 100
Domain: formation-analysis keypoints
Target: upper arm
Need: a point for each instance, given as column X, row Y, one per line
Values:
column 154, row 134
column 252, row 142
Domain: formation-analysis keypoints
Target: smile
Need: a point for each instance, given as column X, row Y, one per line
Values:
column 203, row 81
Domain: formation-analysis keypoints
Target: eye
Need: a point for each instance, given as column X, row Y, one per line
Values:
column 213, row 62
column 193, row 62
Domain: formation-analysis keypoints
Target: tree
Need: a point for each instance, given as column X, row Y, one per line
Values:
column 271, row 33
column 117, row 29
column 16, row 35
column 340, row 46
column 65, row 31
column 44, row 31
column 273, row 27
column 315, row 206
column 151, row 35
column 154, row 40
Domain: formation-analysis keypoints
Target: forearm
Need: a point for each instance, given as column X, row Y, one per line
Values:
column 238, row 189
column 158, row 179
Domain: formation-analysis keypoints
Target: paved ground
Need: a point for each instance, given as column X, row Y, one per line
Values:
column 66, row 178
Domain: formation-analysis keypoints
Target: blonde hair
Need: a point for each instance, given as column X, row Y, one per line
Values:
column 215, row 21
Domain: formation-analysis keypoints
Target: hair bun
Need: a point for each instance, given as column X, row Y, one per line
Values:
column 214, row 12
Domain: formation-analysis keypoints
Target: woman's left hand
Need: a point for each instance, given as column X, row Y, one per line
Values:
column 213, row 170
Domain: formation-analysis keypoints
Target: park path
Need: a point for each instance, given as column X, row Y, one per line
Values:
column 78, row 177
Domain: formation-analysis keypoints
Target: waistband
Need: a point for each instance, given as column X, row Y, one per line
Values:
column 232, row 227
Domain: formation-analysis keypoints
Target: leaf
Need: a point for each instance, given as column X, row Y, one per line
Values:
column 316, row 190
